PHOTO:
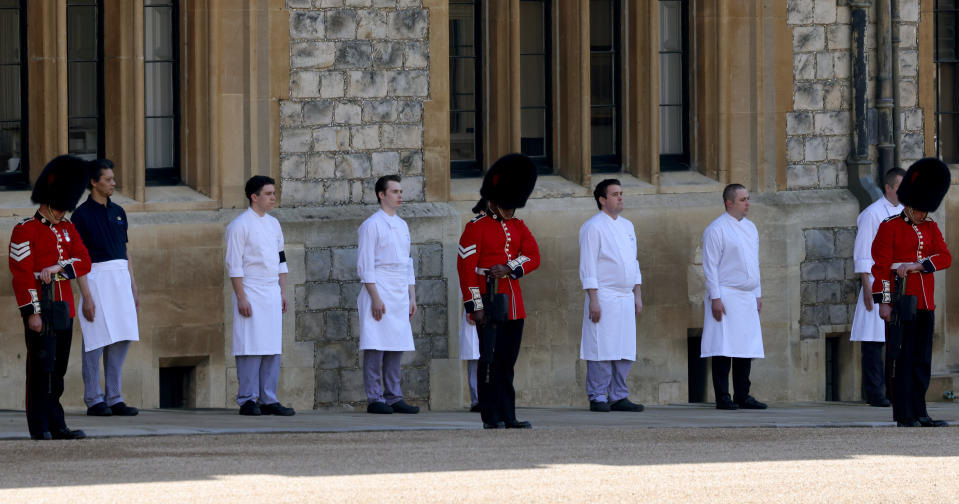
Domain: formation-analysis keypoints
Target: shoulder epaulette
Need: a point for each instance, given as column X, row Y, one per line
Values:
column 478, row 216
column 24, row 220
column 891, row 217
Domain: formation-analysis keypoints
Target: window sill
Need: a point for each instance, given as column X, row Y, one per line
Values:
column 159, row 199
column 551, row 186
column 687, row 182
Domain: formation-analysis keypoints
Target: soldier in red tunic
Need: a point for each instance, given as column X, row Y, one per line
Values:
column 46, row 249
column 910, row 246
column 496, row 245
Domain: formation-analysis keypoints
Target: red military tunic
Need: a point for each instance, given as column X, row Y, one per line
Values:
column 36, row 244
column 900, row 240
column 486, row 242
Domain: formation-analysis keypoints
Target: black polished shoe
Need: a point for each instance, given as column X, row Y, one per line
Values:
column 379, row 408
column 600, row 406
column 475, row 408
column 401, row 407
column 250, row 408
column 516, row 424
column 99, row 409
column 908, row 424
column 725, row 403
column 625, row 404
column 880, row 403
column 750, row 402
column 43, row 436
column 276, row 409
column 121, row 409
column 497, row 425
column 928, row 422
column 68, row 434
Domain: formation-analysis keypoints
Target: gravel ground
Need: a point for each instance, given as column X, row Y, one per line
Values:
column 563, row 464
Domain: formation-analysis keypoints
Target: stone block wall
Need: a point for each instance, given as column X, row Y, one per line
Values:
column 828, row 282
column 359, row 74
column 819, row 129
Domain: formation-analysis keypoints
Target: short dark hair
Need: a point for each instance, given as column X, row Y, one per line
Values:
column 600, row 191
column 96, row 170
column 729, row 193
column 890, row 177
column 382, row 182
column 255, row 185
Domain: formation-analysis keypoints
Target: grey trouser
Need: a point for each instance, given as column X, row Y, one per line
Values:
column 381, row 376
column 259, row 376
column 606, row 380
column 113, row 357
column 471, row 367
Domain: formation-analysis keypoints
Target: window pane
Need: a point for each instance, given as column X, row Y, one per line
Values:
column 82, row 33
column 13, row 4
column 461, row 30
column 532, row 81
column 462, row 75
column 603, row 132
column 600, row 25
column 533, row 140
column 82, row 137
column 601, row 79
column 159, row 89
column 531, row 35
column 158, row 42
column 9, row 36
column 159, row 143
column 670, row 25
column 9, row 93
column 947, row 35
column 671, row 130
column 82, row 89
column 671, row 79
column 157, row 2
column 11, row 149
column 462, row 136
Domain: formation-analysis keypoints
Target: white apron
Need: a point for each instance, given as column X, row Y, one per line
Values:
column 116, row 312
column 866, row 325
column 739, row 333
column 393, row 332
column 469, row 339
column 262, row 332
column 614, row 336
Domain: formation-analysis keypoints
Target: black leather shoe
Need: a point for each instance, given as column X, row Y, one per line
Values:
column 276, row 409
column 379, row 408
column 725, row 403
column 516, row 424
column 750, row 402
column 99, row 409
column 401, row 407
column 880, row 403
column 121, row 409
column 43, row 436
column 625, row 404
column 250, row 408
column 928, row 422
column 600, row 406
column 908, row 424
column 497, row 425
column 68, row 434
column 475, row 408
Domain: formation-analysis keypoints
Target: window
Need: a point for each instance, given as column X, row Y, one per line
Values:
column 947, row 80
column 673, row 85
column 535, row 86
column 604, row 83
column 162, row 91
column 14, row 172
column 85, row 78
column 465, row 96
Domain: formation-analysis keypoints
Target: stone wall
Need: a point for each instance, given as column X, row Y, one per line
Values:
column 359, row 74
column 829, row 283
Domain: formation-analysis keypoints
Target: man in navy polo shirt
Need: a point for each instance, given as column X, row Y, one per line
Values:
column 109, row 321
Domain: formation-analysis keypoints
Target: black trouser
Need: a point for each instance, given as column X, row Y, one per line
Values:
column 741, row 382
column 45, row 379
column 873, row 371
column 911, row 371
column 494, row 375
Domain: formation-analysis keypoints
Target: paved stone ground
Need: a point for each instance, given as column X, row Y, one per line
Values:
column 667, row 454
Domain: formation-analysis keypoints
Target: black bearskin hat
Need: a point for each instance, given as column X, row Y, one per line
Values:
column 510, row 181
column 924, row 185
column 62, row 183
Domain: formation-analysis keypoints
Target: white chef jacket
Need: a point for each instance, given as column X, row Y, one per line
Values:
column 731, row 268
column 253, row 248
column 383, row 258
column 866, row 325
column 607, row 263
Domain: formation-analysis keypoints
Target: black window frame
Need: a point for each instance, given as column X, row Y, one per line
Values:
column 611, row 163
column 954, row 61
column 173, row 175
column 101, row 102
column 680, row 162
column 473, row 167
column 21, row 179
column 544, row 163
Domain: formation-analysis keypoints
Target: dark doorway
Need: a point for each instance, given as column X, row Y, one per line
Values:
column 176, row 387
column 697, row 371
column 832, row 368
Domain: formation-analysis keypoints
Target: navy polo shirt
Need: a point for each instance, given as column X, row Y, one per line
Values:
column 103, row 229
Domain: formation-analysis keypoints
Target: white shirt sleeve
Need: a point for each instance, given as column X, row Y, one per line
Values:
column 639, row 274
column 588, row 256
column 758, row 291
column 280, row 246
column 411, row 272
column 235, row 243
column 867, row 226
column 365, row 252
column 712, row 253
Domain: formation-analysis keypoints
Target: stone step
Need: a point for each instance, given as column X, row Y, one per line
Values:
column 943, row 388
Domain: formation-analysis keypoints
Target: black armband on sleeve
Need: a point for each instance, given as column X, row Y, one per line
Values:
column 282, row 256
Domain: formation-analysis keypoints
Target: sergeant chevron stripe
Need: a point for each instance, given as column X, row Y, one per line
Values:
column 19, row 251
column 467, row 251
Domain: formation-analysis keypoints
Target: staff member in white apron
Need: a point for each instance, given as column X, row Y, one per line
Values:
column 867, row 327
column 387, row 300
column 257, row 267
column 611, row 278
column 109, row 322
column 732, row 335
